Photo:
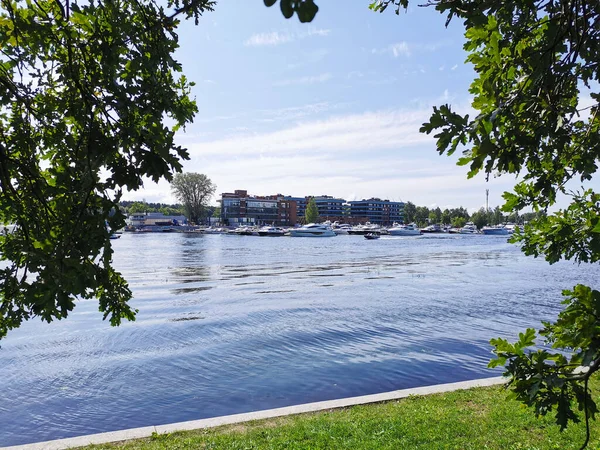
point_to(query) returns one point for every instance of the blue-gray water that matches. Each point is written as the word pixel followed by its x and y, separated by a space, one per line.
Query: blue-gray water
pixel 231 324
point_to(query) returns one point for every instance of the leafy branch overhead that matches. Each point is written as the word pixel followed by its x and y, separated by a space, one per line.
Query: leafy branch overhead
pixel 306 10
pixel 85 98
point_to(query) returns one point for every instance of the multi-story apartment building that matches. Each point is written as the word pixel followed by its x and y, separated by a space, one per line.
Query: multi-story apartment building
pixel 382 212
pixel 330 208
pixel 301 203
pixel 239 208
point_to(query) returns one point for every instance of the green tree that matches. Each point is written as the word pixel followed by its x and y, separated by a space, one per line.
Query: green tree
pixel 446 218
pixel 311 214
pixel 409 212
pixel 194 190
pixel 459 222
pixel 480 218
pixel 170 211
pixel 217 212
pixel 90 100
pixel 435 215
pixel 421 215
pixel 459 212
pixel 138 207
pixel 498 217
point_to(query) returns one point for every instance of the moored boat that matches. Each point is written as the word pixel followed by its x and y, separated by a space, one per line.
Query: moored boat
pixel 271 231
pixel 312 230
pixel 245 231
pixel 364 229
pixel 435 228
pixel 404 230
pixel 469 228
pixel 499 230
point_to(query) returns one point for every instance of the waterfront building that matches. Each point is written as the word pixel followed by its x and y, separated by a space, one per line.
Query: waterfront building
pixel 154 219
pixel 330 208
pixel 301 203
pixel 382 212
pixel 239 208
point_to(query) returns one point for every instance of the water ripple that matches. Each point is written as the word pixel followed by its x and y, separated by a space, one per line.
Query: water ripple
pixel 235 324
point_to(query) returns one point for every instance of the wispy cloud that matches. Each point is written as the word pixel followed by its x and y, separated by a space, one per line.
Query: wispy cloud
pixel 389 129
pixel 296 112
pixel 276 38
pixel 375 153
pixel 272 38
pixel 305 80
pixel 397 49
pixel 407 49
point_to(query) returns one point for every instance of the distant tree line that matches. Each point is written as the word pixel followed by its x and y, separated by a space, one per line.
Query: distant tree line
pixel 458 217
pixel 138 207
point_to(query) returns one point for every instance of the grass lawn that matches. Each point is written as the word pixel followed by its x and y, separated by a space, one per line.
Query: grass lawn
pixel 479 418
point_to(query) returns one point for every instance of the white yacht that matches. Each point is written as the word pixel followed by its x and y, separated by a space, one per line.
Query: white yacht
pixel 270 231
pixel 404 230
pixel 469 228
pixel 312 230
pixel 245 230
pixel 364 229
pixel 341 229
pixel 499 230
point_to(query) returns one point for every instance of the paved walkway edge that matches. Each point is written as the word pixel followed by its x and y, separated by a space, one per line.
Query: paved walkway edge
pixel 136 433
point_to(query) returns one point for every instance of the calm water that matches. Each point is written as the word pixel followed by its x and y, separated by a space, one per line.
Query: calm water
pixel 231 324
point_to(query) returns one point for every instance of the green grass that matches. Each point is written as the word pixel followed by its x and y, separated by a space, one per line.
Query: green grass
pixel 478 418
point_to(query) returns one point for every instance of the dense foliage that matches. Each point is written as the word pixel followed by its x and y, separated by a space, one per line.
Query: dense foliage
pixel 143 207
pixel 87 90
pixel 311 214
pixel 194 190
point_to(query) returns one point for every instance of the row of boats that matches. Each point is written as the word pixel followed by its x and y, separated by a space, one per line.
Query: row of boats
pixel 370 231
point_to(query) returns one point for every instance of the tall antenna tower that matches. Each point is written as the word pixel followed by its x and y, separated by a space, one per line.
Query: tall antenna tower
pixel 487 197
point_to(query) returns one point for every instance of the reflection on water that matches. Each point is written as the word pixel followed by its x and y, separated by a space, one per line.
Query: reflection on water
pixel 231 324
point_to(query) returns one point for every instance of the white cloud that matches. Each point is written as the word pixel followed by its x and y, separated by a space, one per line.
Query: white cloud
pixel 397 49
pixel 316 32
pixel 273 38
pixel 371 154
pixel 305 80
pixel 454 67
pixel 277 38
pixel 344 133
pixel 406 49
pixel 295 112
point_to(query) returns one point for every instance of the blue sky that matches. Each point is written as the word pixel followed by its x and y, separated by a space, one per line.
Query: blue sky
pixel 332 107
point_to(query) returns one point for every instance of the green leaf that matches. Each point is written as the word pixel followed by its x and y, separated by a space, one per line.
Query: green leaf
pixel 307 11
pixel 287 8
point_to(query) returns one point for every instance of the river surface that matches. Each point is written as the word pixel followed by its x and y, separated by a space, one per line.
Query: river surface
pixel 231 324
